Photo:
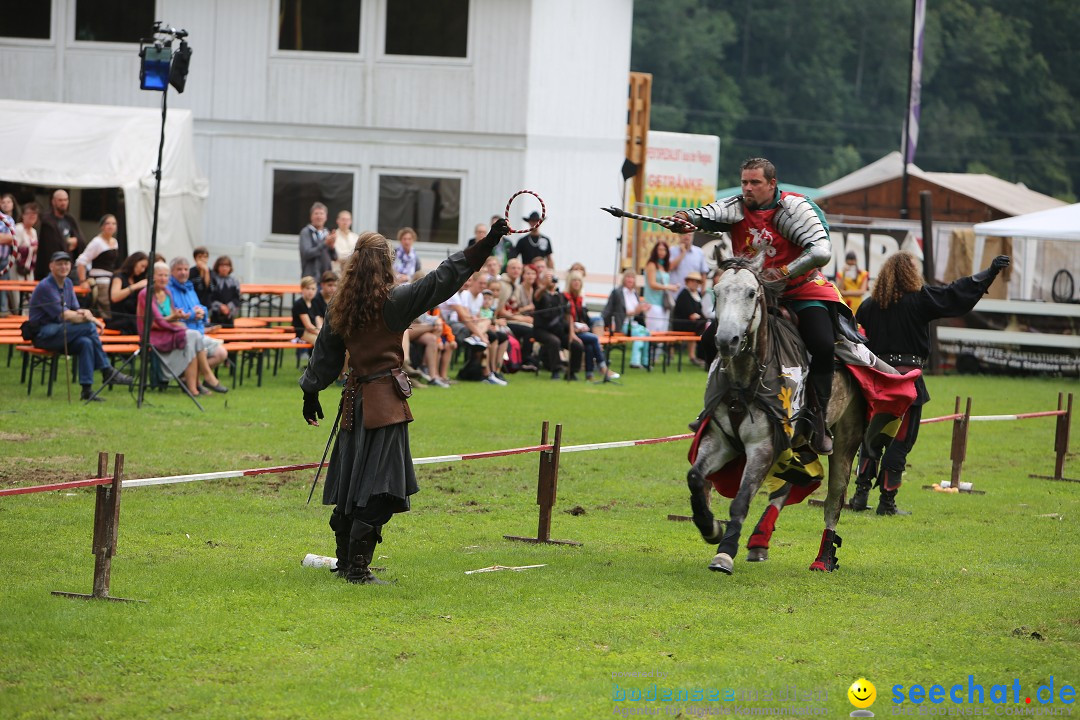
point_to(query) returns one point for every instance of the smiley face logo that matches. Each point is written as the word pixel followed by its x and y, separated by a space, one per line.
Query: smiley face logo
pixel 862 693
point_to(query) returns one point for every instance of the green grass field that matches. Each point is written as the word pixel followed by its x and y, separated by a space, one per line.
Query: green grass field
pixel 233 626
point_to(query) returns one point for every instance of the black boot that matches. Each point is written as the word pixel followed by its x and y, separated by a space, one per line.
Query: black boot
pixel 695 424
pixel 340 525
pixel 864 480
pixel 859 501
pixel 887 503
pixel 362 541
pixel 821 440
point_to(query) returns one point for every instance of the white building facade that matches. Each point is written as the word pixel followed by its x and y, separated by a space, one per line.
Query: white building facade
pixel 428 113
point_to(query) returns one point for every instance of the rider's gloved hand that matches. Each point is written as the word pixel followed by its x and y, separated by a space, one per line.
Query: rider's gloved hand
pixel 312 408
pixel 679 223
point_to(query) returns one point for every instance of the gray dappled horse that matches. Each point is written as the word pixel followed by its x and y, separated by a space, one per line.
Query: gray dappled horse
pixel 742 303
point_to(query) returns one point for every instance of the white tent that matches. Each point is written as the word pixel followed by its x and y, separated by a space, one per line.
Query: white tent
pixel 96 146
pixel 1048 240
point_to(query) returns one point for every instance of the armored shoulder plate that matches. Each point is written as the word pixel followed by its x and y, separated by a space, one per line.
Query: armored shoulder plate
pixel 725 212
pixel 796 220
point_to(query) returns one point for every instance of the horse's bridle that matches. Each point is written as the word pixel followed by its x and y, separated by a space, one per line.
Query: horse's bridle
pixel 762 333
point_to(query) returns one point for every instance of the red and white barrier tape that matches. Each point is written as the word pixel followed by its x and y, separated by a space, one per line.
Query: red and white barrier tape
pixel 175 479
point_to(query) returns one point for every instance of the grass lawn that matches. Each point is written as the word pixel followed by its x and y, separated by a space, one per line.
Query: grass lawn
pixel 233 626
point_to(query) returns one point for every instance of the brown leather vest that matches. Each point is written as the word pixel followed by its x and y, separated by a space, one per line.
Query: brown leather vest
pixel 375 349
pixel 375 360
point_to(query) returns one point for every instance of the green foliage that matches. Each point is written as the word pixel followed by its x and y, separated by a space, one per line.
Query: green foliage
pixel 804 81
pixel 233 627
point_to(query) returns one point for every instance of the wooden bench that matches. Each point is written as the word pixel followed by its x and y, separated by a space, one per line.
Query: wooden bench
pixel 34 358
pixel 252 351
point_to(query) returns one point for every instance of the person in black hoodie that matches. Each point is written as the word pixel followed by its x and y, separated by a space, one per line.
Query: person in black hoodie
pixel 896 319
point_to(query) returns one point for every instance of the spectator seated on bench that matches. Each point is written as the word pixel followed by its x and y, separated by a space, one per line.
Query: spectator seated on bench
pixel 58 324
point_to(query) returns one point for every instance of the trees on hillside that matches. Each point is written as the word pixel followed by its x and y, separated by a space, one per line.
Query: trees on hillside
pixel 821 87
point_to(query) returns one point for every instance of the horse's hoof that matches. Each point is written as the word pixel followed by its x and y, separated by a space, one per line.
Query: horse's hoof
pixel 758 554
pixel 717 533
pixel 722 562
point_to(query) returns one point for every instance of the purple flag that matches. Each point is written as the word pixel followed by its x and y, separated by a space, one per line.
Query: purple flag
pixel 914 102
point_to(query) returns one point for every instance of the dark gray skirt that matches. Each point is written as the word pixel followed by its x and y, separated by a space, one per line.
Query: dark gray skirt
pixel 365 463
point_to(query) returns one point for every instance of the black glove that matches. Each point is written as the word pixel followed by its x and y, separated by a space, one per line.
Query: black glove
pixel 476 254
pixel 996 266
pixel 498 229
pixel 312 409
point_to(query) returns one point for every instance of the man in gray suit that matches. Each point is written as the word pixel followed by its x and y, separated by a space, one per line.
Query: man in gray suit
pixel 317 250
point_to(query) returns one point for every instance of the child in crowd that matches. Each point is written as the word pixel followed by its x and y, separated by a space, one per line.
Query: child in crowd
pixel 303 316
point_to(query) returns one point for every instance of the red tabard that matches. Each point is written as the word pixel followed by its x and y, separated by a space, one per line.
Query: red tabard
pixel 756 233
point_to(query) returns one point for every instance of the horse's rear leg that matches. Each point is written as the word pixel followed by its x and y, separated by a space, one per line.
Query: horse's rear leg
pixel 757 548
pixel 758 462
pixel 848 432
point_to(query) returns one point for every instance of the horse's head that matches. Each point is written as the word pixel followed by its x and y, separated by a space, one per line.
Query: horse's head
pixel 740 304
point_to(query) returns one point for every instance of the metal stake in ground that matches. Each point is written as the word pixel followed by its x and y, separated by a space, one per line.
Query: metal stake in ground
pixel 106 528
pixel 546 489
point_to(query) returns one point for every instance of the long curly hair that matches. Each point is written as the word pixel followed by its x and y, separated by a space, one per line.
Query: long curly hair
pixel 897 278
pixel 366 281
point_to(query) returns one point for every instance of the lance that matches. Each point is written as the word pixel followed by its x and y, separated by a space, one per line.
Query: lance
pixel 675 225
pixel 329 442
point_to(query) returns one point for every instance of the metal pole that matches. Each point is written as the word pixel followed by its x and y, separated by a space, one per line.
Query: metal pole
pixel 907 118
pixel 144 343
pixel 933 364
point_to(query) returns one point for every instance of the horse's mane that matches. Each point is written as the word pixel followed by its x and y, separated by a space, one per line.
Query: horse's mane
pixel 773 288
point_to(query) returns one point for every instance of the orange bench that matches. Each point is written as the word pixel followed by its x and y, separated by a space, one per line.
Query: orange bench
pixel 34 358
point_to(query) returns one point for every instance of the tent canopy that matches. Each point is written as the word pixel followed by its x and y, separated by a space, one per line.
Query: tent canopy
pixel 97 146
pixel 1047 246
pixel 1061 223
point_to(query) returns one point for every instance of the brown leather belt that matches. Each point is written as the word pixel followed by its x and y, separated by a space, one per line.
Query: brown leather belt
pixel 349 393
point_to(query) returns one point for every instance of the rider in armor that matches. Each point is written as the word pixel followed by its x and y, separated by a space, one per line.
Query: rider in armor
pixel 792 232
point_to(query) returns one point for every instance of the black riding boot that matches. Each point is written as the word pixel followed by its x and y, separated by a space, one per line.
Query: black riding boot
pixel 821 440
pixel 340 525
pixel 864 480
pixel 887 504
pixel 362 541
pixel 890 484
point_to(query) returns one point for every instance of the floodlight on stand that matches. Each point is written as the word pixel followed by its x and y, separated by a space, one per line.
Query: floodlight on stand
pixel 155 66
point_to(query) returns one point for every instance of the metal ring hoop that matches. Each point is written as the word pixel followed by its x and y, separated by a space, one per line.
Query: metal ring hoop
pixel 543 210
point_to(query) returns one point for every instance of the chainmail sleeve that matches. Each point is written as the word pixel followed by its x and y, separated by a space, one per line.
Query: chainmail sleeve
pixel 718 216
pixel 802 223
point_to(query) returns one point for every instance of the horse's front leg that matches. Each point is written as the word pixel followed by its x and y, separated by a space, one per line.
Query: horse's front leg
pixel 757 548
pixel 759 458
pixel 714 452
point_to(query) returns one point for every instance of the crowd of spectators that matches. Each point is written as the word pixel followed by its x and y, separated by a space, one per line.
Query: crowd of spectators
pixel 511 316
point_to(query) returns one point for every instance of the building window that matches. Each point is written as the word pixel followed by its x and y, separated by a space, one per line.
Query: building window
pixel 430 205
pixel 295 191
pixel 122 21
pixel 28 20
pixel 319 25
pixel 437 28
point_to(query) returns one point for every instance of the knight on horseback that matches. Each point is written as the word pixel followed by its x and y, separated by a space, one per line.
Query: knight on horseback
pixel 792 233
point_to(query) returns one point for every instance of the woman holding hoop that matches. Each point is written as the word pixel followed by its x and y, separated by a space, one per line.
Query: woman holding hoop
pixel 370 474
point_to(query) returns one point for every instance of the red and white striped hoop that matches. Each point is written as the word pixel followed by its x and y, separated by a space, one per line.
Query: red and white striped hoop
pixel 543 211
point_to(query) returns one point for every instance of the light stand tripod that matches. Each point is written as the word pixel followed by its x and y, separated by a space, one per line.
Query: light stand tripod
pixel 629 170
pixel 160 68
